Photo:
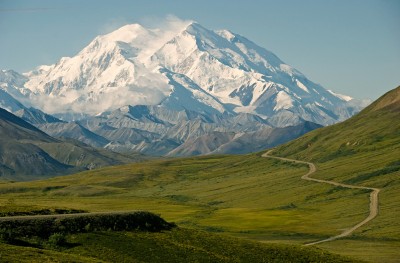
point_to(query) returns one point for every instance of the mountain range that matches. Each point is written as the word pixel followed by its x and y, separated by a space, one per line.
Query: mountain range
pixel 27 153
pixel 185 90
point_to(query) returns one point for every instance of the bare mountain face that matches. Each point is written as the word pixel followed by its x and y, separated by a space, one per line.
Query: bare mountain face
pixel 181 83
pixel 17 152
pixel 28 153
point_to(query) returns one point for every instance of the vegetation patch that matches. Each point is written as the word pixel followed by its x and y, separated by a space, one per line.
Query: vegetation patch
pixel 390 168
pixel 179 198
pixel 287 207
pixel 57 240
pixel 212 203
pixel 51 188
pixel 44 227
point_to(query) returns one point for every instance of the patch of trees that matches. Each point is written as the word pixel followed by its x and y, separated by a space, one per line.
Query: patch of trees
pixel 49 226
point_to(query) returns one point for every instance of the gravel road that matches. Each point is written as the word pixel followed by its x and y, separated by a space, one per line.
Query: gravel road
pixel 373 205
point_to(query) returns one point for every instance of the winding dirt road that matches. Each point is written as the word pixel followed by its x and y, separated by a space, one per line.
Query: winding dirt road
pixel 373 205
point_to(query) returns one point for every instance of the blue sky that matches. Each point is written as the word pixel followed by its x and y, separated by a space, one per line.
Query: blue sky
pixel 349 46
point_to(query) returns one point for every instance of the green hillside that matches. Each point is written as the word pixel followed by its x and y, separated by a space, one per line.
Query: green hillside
pixel 375 129
pixel 364 150
pixel 178 245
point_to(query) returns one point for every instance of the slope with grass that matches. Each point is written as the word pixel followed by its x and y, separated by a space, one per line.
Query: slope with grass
pixel 373 206
pixel 364 150
pixel 177 245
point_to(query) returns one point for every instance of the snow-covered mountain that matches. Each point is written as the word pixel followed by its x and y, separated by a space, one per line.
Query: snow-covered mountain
pixel 31 115
pixel 189 67
pixel 181 90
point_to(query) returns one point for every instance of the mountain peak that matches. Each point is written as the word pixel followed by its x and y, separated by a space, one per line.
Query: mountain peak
pixel 194 26
pixel 126 33
pixel 185 66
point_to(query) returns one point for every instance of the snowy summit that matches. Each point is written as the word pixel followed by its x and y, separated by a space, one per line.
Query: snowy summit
pixel 184 67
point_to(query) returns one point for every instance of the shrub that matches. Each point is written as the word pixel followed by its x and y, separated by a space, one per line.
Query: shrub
pixel 45 227
pixel 57 239
pixel 7 235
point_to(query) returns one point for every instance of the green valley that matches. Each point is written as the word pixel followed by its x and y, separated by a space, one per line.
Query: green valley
pixel 246 196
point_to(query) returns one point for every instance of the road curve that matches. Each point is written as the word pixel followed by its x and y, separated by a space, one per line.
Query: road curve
pixel 373 205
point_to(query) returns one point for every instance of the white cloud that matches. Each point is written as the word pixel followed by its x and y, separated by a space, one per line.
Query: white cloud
pixel 146 91
pixel 167 23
